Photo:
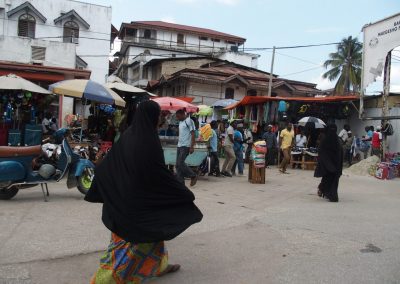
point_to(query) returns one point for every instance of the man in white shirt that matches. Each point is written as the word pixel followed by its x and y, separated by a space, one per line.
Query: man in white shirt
pixel 343 135
pixel 46 123
pixel 186 143
pixel 301 140
pixel 230 156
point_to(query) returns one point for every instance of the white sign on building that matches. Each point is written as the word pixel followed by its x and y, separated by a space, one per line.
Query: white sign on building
pixel 379 39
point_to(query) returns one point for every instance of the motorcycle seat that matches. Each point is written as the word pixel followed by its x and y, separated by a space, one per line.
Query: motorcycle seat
pixel 9 152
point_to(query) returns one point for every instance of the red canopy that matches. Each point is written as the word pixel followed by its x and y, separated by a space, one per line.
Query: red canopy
pixel 174 104
pixel 250 100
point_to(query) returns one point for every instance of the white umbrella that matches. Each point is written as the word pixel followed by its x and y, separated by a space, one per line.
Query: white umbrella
pixel 14 82
pixel 312 120
pixel 116 83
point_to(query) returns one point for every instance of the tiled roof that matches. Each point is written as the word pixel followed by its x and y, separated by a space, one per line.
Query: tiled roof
pixel 184 28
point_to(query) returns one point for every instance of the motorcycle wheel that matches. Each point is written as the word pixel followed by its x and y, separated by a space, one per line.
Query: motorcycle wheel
pixel 85 180
pixel 8 193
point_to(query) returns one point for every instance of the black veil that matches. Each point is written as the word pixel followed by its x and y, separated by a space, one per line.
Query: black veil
pixel 142 200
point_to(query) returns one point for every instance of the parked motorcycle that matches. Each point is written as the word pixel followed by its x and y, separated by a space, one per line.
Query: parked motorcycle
pixel 16 170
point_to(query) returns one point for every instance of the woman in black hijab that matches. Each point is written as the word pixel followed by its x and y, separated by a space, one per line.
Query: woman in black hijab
pixel 143 203
pixel 330 164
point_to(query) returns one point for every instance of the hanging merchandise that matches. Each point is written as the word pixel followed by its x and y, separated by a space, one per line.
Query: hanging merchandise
pixel 282 107
pixel 8 114
pixel 266 112
pixel 247 113
pixel 304 109
pixel 260 116
pixel 254 113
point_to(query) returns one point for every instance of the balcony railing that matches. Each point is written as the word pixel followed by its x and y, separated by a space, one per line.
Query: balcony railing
pixel 179 46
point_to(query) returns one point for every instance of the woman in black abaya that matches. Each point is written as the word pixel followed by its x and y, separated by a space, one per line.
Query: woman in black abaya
pixel 143 203
pixel 330 164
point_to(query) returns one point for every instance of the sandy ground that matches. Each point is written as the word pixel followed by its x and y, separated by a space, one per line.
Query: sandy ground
pixel 280 232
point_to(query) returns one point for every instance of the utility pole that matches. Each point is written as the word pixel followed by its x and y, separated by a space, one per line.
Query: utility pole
pixel 272 71
pixel 385 97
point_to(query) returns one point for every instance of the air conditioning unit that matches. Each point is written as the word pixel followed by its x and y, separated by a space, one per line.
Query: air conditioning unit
pixel 75 40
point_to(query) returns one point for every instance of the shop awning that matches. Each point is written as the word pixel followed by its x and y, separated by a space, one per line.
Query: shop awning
pixel 250 100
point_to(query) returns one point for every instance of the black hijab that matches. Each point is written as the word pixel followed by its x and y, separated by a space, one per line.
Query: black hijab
pixel 330 153
pixel 142 201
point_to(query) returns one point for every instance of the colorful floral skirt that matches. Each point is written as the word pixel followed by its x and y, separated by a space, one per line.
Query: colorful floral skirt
pixel 129 263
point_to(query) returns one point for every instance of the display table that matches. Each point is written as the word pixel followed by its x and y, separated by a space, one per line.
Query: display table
pixel 308 159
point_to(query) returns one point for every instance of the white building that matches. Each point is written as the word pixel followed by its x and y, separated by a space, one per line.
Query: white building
pixel 61 33
pixel 147 40
pixel 47 41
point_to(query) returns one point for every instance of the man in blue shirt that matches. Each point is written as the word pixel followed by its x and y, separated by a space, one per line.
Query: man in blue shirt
pixel 214 151
pixel 238 149
pixel 186 143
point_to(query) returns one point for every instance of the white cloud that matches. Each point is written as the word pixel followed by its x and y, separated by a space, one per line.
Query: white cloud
pixel 229 2
pixel 323 84
pixel 168 19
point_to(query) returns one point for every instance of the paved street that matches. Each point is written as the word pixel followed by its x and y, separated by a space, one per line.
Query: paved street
pixel 280 232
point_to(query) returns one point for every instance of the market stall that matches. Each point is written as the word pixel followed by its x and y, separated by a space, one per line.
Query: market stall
pixel 90 92
pixel 23 106
pixel 259 112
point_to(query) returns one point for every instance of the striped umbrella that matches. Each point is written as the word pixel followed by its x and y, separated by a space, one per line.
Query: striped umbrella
pixel 318 123
pixel 87 89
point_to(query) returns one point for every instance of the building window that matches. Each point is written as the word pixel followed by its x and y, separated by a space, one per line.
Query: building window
pixel 229 93
pixel 71 32
pixel 181 39
pixel 215 40
pixel 27 26
pixel 147 34
pixel 230 42
pixel 203 38
pixel 131 32
pixel 38 53
pixel 252 93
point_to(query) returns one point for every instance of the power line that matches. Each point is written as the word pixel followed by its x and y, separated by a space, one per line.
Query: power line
pixel 297 58
pixel 303 71
pixel 291 47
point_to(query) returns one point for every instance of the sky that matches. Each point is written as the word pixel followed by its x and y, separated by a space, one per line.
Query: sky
pixel 267 23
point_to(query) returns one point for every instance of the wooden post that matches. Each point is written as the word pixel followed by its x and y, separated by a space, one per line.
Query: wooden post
pixel 385 96
pixel 272 71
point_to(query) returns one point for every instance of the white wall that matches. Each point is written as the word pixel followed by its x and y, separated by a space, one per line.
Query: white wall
pixel 98 17
pixel 17 49
pixel 246 59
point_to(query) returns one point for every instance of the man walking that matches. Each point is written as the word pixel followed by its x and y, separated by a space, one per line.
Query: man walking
pixel 230 157
pixel 238 149
pixel 272 144
pixel 286 143
pixel 186 143
pixel 214 150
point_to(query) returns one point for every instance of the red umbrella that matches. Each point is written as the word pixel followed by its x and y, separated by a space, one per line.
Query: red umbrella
pixel 174 104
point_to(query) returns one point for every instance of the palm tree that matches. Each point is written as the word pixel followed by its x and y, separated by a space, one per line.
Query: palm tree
pixel 345 65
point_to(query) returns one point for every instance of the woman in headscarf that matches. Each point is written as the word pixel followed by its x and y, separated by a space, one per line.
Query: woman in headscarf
pixel 143 203
pixel 330 164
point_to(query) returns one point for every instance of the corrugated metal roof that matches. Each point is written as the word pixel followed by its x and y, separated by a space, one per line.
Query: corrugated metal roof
pixel 184 28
